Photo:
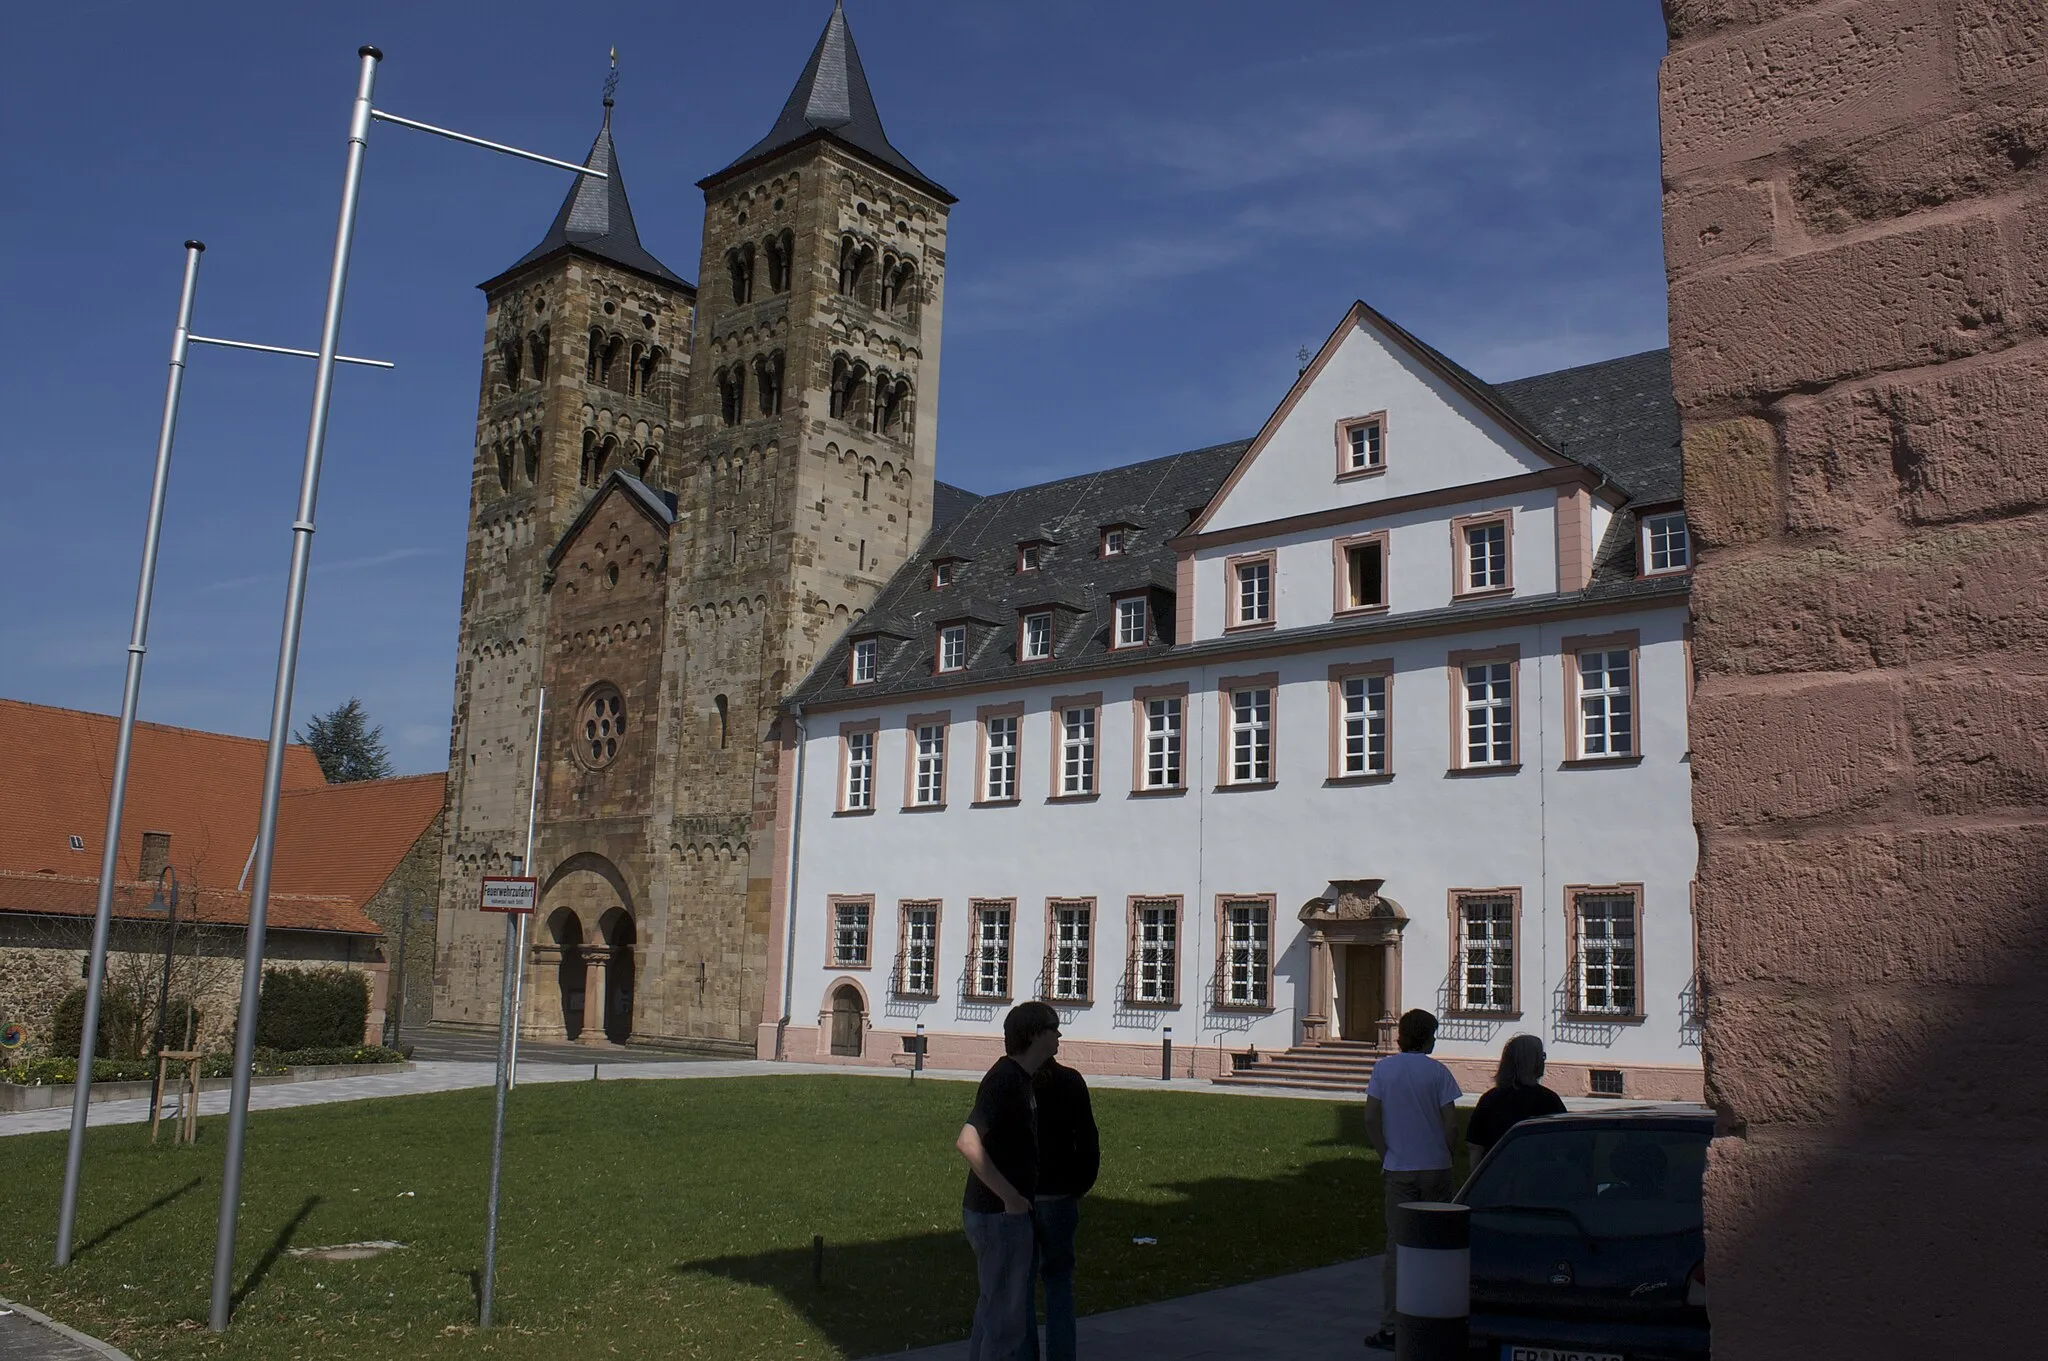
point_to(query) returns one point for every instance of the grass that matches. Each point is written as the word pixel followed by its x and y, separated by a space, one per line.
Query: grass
pixel 671 1218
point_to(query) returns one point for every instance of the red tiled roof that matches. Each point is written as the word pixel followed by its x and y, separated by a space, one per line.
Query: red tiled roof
pixel 349 838
pixel 336 844
pixel 204 788
pixel 64 895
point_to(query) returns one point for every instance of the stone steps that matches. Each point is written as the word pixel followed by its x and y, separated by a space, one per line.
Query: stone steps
pixel 1338 1066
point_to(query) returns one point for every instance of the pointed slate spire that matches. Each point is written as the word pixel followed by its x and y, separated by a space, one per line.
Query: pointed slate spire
pixel 832 99
pixel 597 219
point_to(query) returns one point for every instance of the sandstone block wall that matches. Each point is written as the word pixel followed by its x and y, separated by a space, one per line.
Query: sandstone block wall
pixel 1857 245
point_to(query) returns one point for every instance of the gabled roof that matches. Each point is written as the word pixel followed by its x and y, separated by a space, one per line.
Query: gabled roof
pixel 1154 497
pixel 65 895
pixel 348 839
pixel 832 100
pixel 597 220
pixel 650 502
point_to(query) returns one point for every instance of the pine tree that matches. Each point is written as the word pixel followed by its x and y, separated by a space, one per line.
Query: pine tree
pixel 345 744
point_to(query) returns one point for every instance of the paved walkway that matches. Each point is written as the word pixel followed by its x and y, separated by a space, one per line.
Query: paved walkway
pixel 1320 1315
pixel 26 1335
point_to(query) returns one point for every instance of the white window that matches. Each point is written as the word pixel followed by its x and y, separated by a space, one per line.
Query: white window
pixel 1365 725
pixel 1606 717
pixel 952 647
pixel 1365 576
pixel 1489 714
pixel 942 574
pixel 1077 750
pixel 1162 742
pixel 1000 780
pixel 1486 556
pixel 1606 925
pixel 863 670
pixel 991 961
pixel 920 975
pixel 1251 736
pixel 860 771
pixel 1254 591
pixel 1112 542
pixel 850 934
pixel 931 764
pixel 1248 954
pixel 1486 953
pixel 1072 950
pixel 1027 557
pixel 1155 950
pixel 1362 446
pixel 1131 621
pixel 1667 548
pixel 1037 637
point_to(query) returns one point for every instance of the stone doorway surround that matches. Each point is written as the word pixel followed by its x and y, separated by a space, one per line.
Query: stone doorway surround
pixel 1353 913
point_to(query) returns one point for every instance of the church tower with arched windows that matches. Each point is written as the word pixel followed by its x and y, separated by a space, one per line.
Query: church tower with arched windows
pixel 680 502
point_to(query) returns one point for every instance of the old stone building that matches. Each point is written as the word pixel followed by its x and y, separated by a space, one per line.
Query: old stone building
pixel 680 497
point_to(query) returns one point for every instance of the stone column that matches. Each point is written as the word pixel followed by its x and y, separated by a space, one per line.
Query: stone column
pixel 1315 1022
pixel 1390 993
pixel 1856 240
pixel 594 960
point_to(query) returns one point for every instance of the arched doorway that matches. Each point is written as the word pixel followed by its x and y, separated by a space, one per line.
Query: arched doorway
pixel 565 929
pixel 846 1020
pixel 617 929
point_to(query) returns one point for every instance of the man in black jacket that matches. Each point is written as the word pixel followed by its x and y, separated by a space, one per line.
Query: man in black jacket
pixel 1069 1156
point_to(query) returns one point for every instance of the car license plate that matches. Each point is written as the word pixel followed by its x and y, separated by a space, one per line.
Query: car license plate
pixel 1514 1351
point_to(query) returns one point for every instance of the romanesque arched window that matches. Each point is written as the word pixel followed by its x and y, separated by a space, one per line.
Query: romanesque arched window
pixel 633 371
pixel 724 716
pixel 595 357
pixel 586 469
pixel 739 265
pixel 780 253
pixel 648 458
pixel 768 382
pixel 537 353
pixel 899 286
pixel 532 452
pixel 892 402
pixel 650 366
pixel 854 255
pixel 731 392
pixel 849 380
pixel 504 460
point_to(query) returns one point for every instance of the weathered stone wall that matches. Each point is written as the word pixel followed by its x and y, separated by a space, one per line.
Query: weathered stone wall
pixel 1857 243
pixel 413 886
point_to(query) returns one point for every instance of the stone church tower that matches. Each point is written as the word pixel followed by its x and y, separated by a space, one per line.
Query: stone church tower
pixel 677 504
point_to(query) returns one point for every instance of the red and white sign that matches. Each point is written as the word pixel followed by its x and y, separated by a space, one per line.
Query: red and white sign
pixel 508 893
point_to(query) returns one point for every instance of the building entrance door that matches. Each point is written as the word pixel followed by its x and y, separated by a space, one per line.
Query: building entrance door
pixel 1365 991
pixel 846 1021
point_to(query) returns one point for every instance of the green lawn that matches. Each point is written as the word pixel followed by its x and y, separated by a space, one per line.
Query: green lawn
pixel 657 1218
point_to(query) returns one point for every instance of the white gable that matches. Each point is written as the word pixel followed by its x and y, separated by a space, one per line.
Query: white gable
pixel 1434 436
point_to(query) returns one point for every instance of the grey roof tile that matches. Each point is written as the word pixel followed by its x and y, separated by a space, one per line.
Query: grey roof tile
pixel 597 220
pixel 832 99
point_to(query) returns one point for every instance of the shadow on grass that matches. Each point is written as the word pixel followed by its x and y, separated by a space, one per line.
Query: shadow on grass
pixel 270 1255
pixel 137 1217
pixel 918 1289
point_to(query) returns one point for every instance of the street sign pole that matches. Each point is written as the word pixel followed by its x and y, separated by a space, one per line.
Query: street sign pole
pixel 514 896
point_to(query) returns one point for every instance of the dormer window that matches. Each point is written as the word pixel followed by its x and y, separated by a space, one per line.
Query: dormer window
pixel 1133 622
pixel 1034 638
pixel 1362 445
pixel 1028 557
pixel 862 663
pixel 942 574
pixel 953 647
pixel 1666 546
pixel 1113 541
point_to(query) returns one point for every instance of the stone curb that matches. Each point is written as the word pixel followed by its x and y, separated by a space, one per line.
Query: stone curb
pixel 91 1344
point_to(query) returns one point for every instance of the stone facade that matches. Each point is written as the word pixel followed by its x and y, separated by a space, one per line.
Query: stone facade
pixel 1857 243
pixel 780 463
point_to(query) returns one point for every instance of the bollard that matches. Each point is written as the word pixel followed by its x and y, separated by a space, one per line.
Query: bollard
pixel 1166 1055
pixel 817 1259
pixel 917 1059
pixel 1432 1250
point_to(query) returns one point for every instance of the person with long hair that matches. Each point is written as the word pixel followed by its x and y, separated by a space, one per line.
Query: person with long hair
pixel 1517 1094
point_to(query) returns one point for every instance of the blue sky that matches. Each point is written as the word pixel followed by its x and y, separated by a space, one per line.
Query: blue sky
pixel 1161 204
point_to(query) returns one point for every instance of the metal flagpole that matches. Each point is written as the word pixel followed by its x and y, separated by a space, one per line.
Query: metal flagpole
pixel 519 976
pixel 281 701
pixel 487 1287
pixel 138 644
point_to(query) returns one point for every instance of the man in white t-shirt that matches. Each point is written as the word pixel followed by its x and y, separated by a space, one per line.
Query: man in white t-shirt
pixel 1411 1120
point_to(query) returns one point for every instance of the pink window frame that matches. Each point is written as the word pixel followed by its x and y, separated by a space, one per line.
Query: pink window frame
pixel 1347 473
pixel 1461 587
pixel 1340 567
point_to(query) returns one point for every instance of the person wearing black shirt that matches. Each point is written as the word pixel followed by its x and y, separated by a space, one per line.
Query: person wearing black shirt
pixel 1069 1156
pixel 1000 1143
pixel 1517 1094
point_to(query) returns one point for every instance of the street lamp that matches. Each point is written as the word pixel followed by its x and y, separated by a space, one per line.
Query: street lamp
pixel 157 903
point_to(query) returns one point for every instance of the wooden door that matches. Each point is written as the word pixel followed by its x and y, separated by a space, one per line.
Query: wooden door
pixel 846 1020
pixel 1365 991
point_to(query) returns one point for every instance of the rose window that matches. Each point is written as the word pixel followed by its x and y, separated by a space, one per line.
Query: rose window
pixel 602 725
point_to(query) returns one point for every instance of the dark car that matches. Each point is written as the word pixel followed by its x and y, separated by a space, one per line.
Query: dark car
pixel 1589 1240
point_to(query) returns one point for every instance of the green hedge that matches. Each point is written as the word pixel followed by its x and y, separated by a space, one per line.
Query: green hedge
pixel 312 1009
pixel 120 1028
pixel 268 1062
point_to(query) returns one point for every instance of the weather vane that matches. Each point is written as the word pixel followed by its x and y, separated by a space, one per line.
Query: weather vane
pixel 611 82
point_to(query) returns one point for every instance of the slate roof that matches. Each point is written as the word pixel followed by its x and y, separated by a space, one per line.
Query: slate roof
pixel 597 220
pixel 1616 417
pixel 832 99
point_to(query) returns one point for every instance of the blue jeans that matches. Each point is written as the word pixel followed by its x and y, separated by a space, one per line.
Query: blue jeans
pixel 1002 1268
pixel 1058 1217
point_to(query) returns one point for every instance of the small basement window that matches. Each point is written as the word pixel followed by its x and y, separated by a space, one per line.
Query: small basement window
pixel 1608 1082
pixel 78 843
